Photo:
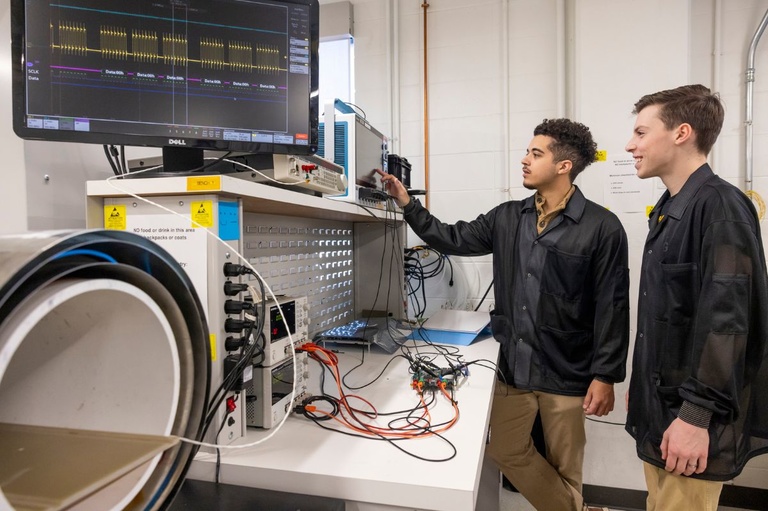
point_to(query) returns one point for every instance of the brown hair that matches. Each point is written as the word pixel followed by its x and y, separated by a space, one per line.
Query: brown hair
pixel 691 104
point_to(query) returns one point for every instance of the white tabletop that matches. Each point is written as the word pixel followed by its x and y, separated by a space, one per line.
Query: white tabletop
pixel 304 458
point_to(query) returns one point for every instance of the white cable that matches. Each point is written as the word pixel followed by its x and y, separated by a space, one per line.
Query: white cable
pixel 274 430
pixel 255 296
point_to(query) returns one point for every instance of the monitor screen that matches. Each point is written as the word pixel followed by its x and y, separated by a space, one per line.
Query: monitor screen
pixel 229 75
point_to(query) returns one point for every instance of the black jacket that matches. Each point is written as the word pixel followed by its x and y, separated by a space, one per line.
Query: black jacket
pixel 562 306
pixel 703 325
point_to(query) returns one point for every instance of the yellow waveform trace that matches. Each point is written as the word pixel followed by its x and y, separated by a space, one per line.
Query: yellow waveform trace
pixel 72 38
pixel 240 56
pixel 175 49
pixel 113 42
pixel 145 46
pixel 213 53
pixel 267 59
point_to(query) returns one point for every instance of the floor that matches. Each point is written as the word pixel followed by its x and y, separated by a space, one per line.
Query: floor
pixel 513 501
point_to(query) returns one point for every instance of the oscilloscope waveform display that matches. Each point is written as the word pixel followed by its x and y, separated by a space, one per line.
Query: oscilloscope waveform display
pixel 179 56
pixel 148 46
pixel 170 35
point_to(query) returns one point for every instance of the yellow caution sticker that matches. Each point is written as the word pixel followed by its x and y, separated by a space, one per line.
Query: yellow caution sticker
pixel 201 213
pixel 212 340
pixel 601 156
pixel 648 210
pixel 114 217
pixel 205 183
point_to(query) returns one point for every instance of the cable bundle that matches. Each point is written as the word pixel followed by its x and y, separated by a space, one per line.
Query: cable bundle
pixel 356 416
pixel 416 274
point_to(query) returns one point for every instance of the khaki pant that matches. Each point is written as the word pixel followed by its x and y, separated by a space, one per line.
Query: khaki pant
pixel 668 492
pixel 551 484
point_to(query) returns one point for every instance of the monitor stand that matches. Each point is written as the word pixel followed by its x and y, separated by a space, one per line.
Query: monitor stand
pixel 175 161
pixel 182 159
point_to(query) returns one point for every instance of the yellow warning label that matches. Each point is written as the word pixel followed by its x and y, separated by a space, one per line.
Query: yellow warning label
pixel 201 213
pixel 209 183
pixel 648 210
pixel 212 340
pixel 114 217
pixel 601 156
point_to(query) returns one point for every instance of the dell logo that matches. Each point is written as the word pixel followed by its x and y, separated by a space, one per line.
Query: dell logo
pixel 176 141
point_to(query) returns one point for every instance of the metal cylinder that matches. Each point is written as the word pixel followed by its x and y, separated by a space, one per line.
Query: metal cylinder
pixel 103 331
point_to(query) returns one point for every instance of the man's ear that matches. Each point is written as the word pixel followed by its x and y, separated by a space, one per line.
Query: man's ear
pixel 684 133
pixel 564 166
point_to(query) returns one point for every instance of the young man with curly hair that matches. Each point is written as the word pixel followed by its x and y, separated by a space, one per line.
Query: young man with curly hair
pixel 561 288
pixel 698 396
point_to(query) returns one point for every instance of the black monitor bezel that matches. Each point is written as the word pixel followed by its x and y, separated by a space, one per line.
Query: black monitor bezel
pixel 18 80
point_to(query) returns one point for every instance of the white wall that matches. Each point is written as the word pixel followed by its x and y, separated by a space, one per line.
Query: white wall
pixel 13 207
pixel 498 67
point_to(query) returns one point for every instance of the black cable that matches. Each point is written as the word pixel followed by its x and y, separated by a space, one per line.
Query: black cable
pixel 351 387
pixel 218 451
pixel 393 442
pixel 484 295
pixel 606 422
pixel 355 107
pixel 212 163
pixel 123 166
pixel 311 415
pixel 110 160
pixel 115 154
pixel 418 271
pixel 247 353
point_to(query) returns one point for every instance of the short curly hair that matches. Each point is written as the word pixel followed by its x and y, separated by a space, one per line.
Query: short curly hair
pixel 571 141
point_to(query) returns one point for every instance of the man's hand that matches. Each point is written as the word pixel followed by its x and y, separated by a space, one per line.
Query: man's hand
pixel 599 398
pixel 685 448
pixel 395 188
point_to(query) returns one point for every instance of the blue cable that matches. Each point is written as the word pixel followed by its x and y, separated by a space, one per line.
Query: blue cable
pixel 85 251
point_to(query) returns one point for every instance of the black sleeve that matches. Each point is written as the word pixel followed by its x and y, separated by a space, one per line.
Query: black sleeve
pixel 727 338
pixel 462 238
pixel 611 327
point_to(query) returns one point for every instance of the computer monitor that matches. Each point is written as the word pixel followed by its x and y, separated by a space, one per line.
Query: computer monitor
pixel 184 75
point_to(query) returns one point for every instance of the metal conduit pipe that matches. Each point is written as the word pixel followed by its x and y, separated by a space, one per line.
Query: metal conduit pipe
pixel 717 57
pixel 750 80
pixel 506 143
pixel 393 62
pixel 425 6
pixel 101 333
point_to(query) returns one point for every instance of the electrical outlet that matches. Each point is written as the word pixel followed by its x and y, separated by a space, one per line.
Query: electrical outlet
pixel 234 422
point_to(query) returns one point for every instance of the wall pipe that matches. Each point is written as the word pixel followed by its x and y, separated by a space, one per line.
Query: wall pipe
pixel 717 57
pixel 425 6
pixel 750 79
pixel 561 59
pixel 505 94
pixel 393 61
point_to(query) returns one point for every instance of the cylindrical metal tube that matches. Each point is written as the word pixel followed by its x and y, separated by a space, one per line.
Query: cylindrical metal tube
pixel 102 330
pixel 750 80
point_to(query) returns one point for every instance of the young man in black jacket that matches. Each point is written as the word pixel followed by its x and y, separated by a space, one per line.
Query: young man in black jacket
pixel 562 310
pixel 698 396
